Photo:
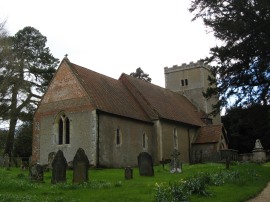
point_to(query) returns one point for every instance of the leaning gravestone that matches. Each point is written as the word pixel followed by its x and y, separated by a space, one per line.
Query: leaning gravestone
pixel 59 166
pixel 6 161
pixel 80 167
pixel 36 172
pixel 176 166
pixel 50 159
pixel 145 163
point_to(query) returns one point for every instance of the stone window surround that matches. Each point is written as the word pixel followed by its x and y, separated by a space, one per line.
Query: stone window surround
pixel 66 126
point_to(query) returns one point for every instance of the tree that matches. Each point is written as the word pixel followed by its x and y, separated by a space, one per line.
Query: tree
pixel 244 126
pixel 23 141
pixel 3 139
pixel 242 67
pixel 26 74
pixel 141 75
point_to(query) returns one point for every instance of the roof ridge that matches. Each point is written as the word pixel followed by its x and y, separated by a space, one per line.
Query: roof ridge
pixel 140 94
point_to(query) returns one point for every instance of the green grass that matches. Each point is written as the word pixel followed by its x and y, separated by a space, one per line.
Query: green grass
pixel 110 185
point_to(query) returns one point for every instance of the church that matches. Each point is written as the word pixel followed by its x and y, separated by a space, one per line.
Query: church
pixel 113 120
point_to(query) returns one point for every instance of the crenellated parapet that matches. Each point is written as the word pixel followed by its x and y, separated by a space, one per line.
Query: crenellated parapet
pixel 185 66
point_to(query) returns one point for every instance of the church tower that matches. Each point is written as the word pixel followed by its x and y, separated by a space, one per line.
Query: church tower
pixel 191 80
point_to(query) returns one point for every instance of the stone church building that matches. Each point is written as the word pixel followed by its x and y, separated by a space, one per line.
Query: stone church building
pixel 114 120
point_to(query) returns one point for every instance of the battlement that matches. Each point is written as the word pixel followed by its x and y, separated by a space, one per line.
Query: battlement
pixel 184 66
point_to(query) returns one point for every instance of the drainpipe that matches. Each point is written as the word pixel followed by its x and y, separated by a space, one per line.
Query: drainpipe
pixel 189 152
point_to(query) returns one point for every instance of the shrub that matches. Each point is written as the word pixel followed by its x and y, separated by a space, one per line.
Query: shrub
pixel 174 192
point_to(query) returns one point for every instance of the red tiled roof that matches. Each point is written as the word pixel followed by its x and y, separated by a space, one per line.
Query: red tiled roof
pixel 108 94
pixel 209 134
pixel 134 98
pixel 165 103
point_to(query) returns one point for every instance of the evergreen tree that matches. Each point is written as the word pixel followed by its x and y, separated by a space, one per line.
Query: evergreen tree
pixel 25 75
pixel 243 60
pixel 23 141
pixel 139 74
pixel 244 126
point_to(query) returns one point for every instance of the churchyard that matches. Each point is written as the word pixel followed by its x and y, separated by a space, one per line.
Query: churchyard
pixel 198 182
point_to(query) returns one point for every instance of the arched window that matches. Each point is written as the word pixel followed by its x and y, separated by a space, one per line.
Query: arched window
pixel 63 129
pixel 60 131
pixel 144 141
pixel 118 136
pixel 67 131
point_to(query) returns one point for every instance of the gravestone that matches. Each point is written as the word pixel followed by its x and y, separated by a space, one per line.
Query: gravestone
pixel 50 159
pixel 128 173
pixel 36 172
pixel 59 166
pixel 6 161
pixel 145 163
pixel 80 167
pixel 176 166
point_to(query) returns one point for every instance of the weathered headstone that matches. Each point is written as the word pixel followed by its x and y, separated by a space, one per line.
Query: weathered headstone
pixel 175 163
pixel 50 159
pixel 145 163
pixel 36 172
pixel 80 167
pixel 59 166
pixel 6 161
pixel 128 173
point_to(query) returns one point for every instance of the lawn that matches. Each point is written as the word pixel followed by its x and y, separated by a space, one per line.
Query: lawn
pixel 240 183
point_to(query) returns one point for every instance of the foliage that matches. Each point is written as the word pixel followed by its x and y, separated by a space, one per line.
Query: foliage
pixel 109 185
pixel 200 182
pixel 139 74
pixel 3 139
pixel 244 126
pixel 23 141
pixel 26 68
pixel 243 60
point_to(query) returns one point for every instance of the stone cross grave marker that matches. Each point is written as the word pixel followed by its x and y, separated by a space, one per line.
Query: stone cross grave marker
pixel 36 172
pixel 50 159
pixel 59 167
pixel 145 163
pixel 80 167
pixel 175 163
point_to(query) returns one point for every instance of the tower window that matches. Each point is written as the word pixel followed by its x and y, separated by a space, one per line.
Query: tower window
pixel 186 82
pixel 182 82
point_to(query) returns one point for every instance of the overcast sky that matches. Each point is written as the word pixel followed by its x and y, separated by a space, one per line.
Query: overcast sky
pixel 114 36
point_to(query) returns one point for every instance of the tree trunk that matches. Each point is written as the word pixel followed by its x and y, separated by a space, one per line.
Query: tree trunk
pixel 12 120
pixel 10 137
